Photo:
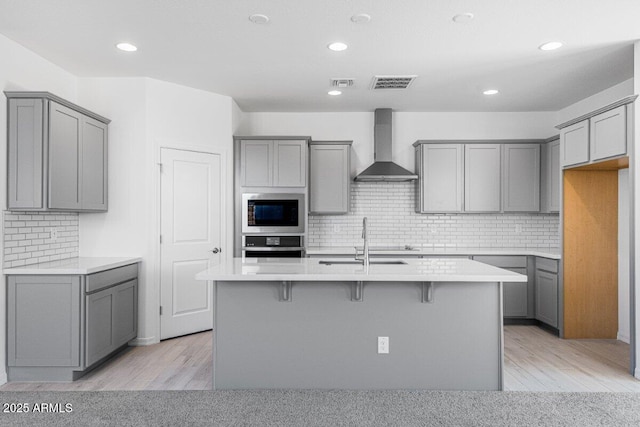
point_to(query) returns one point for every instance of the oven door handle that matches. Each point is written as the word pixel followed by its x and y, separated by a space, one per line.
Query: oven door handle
pixel 272 248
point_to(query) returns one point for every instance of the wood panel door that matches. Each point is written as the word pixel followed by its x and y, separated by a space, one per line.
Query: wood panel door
pixel 191 233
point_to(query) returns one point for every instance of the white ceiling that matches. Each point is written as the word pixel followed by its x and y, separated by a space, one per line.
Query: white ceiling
pixel 285 65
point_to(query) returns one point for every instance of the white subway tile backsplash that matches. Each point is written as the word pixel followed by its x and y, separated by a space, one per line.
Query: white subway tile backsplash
pixel 27 237
pixel 392 221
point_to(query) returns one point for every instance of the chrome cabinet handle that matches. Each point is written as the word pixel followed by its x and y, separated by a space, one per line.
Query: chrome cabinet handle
pixel 216 250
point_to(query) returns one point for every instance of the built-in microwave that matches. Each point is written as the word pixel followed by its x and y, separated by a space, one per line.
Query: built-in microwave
pixel 273 213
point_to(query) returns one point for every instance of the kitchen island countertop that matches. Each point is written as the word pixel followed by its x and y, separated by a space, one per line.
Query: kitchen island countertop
pixel 310 269
pixel 551 253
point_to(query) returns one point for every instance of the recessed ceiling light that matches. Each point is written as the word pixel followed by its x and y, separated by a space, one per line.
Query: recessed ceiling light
pixel 127 47
pixel 463 18
pixel 361 18
pixel 491 92
pixel 337 46
pixel 335 92
pixel 258 18
pixel 550 46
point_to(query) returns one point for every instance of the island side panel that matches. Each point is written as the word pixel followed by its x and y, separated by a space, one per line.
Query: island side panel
pixel 321 339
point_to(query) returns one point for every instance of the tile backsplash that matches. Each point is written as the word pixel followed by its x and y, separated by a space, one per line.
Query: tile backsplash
pixel 29 237
pixel 392 220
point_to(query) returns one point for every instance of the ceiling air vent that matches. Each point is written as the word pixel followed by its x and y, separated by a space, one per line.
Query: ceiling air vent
pixel 342 82
pixel 392 82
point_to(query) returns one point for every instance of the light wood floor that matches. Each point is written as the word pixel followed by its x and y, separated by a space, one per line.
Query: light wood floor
pixel 534 361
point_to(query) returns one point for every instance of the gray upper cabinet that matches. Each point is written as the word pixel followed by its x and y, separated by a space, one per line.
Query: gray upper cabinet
pixel 25 154
pixel 482 177
pixel 599 135
pixel 521 178
pixel 608 134
pixel 65 128
pixel 575 143
pixel 57 154
pixel 329 177
pixel 257 163
pixel 441 173
pixel 550 177
pixel 273 163
pixel 94 165
pixel 290 163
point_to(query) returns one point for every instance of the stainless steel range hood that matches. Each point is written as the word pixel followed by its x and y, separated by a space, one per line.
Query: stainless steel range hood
pixel 383 168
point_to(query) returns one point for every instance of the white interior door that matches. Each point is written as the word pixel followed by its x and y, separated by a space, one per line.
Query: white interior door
pixel 190 239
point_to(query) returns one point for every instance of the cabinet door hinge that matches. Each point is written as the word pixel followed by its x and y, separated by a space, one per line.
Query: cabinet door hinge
pixel 160 166
pixel 160 310
pixel 161 238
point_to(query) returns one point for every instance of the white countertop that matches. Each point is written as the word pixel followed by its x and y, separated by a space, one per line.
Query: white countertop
pixel 435 251
pixel 81 265
pixel 309 269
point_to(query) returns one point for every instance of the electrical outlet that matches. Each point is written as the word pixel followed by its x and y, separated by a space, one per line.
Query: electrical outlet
pixel 54 234
pixel 433 229
pixel 383 345
pixel 336 228
pixel 518 228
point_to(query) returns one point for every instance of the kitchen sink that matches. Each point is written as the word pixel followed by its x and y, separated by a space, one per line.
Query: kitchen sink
pixel 355 262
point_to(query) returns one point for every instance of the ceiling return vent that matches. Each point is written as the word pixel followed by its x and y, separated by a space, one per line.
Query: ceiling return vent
pixel 392 82
pixel 343 82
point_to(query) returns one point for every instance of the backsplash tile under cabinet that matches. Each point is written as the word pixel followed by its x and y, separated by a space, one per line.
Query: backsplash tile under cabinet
pixel 28 239
pixel 393 221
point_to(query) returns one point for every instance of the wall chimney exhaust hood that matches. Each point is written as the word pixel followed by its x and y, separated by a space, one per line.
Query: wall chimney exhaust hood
pixel 383 168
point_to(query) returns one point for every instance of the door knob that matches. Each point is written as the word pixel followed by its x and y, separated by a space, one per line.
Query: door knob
pixel 216 250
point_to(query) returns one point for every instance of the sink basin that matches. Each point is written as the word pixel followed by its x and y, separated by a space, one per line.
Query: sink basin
pixel 354 262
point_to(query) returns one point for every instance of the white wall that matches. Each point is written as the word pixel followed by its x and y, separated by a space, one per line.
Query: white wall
pixel 21 69
pixel 148 114
pixel 598 100
pixel 407 129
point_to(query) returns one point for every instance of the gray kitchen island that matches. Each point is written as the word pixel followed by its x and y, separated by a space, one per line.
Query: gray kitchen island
pixel 305 323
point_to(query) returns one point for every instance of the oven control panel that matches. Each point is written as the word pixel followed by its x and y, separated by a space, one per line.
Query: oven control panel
pixel 273 241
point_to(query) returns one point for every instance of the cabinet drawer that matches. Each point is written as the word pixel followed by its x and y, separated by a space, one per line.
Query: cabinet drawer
pixel 550 265
pixel 107 278
pixel 503 261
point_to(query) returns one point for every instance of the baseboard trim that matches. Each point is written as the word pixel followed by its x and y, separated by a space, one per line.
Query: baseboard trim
pixel 519 321
pixel 623 338
pixel 637 373
pixel 139 342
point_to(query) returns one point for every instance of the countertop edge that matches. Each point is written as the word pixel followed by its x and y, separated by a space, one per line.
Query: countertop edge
pixel 72 266
pixel 335 251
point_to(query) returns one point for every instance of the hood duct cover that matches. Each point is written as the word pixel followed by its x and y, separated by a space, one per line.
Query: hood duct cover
pixel 383 169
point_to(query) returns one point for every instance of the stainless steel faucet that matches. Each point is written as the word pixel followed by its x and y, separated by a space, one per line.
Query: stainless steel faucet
pixel 365 237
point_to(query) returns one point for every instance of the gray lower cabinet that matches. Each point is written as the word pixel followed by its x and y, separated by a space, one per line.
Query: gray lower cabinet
pixel 57 154
pixel 60 326
pixel 547 291
pixel 516 296
pixel 329 177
